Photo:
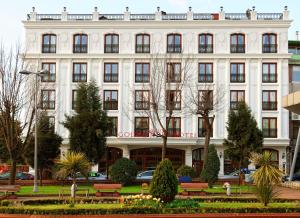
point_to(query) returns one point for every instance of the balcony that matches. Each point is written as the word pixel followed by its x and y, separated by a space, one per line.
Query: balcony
pixel 79 48
pixel 237 78
pixel 142 78
pixel 237 48
pixel 269 48
pixel 205 78
pixel 174 49
pixel 205 48
pixel 269 133
pixel 111 48
pixel 49 48
pixel 142 48
pixel 111 78
pixel 269 78
pixel 271 106
pixel 110 105
pixel 139 132
pixel 174 132
pixel 142 105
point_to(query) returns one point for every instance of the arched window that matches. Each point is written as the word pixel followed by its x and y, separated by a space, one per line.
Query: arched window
pixel 80 43
pixel 49 43
pixel 205 43
pixel 237 43
pixel 269 43
pixel 111 43
pixel 174 43
pixel 142 43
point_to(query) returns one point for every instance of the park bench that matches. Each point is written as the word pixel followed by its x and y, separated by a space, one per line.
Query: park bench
pixel 104 190
pixel 6 189
pixel 193 188
pixel 66 190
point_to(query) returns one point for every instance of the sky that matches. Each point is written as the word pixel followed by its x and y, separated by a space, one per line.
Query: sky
pixel 12 12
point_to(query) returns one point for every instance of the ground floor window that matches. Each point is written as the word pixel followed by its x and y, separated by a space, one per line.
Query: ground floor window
pixel 113 154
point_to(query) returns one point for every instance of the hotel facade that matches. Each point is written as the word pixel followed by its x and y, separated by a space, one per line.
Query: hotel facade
pixel 244 53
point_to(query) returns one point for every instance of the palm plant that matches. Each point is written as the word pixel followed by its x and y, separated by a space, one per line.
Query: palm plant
pixel 266 176
pixel 72 164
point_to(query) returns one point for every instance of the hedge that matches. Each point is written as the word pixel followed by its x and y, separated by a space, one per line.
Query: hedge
pixel 144 210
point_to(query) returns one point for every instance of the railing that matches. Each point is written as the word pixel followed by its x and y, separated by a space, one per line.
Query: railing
pixel 237 48
pixel 269 78
pixel 110 105
pixel 234 104
pixel 205 48
pixel 174 49
pixel 142 105
pixel 50 77
pixel 202 132
pixel 173 105
pixel 111 17
pixel 141 132
pixel 269 105
pixel 80 16
pixel 174 16
pixel 47 16
pixel 269 16
pixel 205 78
pixel 173 78
pixel 142 16
pixel 49 48
pixel 48 105
pixel 237 78
pixel 269 48
pixel 79 77
pixel 236 16
pixel 111 48
pixel 111 78
pixel 270 133
pixel 143 48
pixel 79 48
pixel 201 16
pixel 174 132
pixel 139 78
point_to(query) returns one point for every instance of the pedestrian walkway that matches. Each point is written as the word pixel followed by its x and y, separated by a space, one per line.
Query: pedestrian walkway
pixel 288 193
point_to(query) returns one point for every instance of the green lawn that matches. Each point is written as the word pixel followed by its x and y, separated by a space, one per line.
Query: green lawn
pixel 54 190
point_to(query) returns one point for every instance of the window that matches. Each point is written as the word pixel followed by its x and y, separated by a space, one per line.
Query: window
pixel 79 72
pixel 269 100
pixel 201 127
pixel 205 100
pixel 173 100
pixel 111 44
pixel 269 43
pixel 113 130
pixel 237 72
pixel 269 73
pixel 110 72
pixel 296 73
pixel 50 76
pixel 174 43
pixel 74 98
pixel 80 43
pixel 142 72
pixel 142 43
pixel 48 99
pixel 173 72
pixel 205 43
pixel 237 43
pixel 142 100
pixel 205 72
pixel 141 127
pixel 49 43
pixel 236 96
pixel 269 126
pixel 174 127
pixel 110 100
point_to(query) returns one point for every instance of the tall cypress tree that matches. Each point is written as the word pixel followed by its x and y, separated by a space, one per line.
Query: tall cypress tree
pixel 88 127
pixel 243 135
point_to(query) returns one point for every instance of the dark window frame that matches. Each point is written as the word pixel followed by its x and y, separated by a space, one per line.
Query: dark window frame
pixel 212 97
pixel 49 48
pixel 206 48
pixel 146 102
pixel 111 74
pixel 172 78
pixel 142 75
pixel 269 47
pixel 269 132
pixel 237 48
pixel 233 104
pixel 237 73
pixel 113 105
pixel 269 105
pixel 201 134
pixel 174 48
pixel 269 80
pixel 145 48
pixel 48 104
pixel 49 80
pixel 208 78
pixel 174 132
pixel 80 48
pixel 113 130
pixel 141 132
pixel 114 48
pixel 170 105
pixel 80 74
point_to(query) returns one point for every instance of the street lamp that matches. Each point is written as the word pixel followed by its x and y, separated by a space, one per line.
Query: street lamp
pixel 37 75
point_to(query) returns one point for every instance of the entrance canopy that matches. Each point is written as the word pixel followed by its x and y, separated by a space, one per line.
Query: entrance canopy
pixel 291 102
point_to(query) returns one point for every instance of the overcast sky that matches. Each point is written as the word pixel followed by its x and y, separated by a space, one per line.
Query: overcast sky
pixel 14 11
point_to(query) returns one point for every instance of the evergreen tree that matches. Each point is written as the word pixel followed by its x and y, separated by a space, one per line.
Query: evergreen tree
pixel 88 127
pixel 212 167
pixel 243 137
pixel 48 146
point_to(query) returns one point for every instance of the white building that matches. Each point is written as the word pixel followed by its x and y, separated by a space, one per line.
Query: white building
pixel 245 53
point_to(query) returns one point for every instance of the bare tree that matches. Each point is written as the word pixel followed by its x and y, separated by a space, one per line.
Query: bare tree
pixel 15 95
pixel 160 98
pixel 205 100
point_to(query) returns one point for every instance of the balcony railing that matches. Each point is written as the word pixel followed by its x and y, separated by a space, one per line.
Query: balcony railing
pixel 171 105
pixel 174 132
pixel 110 105
pixel 269 48
pixel 139 78
pixel 48 77
pixel 237 78
pixel 113 131
pixel 179 16
pixel 206 48
pixel 142 16
pixel 79 77
pixel 111 78
pixel 202 16
pixel 49 48
pixel 174 49
pixel 269 105
pixel 269 16
pixel 205 78
pixel 269 78
pixel 237 48
pixel 80 16
pixel 48 105
pixel 142 105
pixel 270 133
pixel 202 132
pixel 174 78
pixel 79 48
pixel 111 48
pixel 234 104
pixel 236 16
pixel 145 48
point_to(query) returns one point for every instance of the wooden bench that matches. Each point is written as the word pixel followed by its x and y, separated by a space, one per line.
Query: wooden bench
pixel 104 190
pixel 193 188
pixel 9 189
pixel 66 190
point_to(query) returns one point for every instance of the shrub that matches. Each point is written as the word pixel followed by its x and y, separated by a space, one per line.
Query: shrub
pixel 266 193
pixel 5 203
pixel 123 171
pixel 164 183
pixel 179 203
pixel 212 167
pixel 185 170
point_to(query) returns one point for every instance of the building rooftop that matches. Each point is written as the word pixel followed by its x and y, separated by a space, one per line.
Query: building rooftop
pixel 158 15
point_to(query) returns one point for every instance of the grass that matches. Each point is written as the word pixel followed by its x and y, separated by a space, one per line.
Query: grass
pixel 54 190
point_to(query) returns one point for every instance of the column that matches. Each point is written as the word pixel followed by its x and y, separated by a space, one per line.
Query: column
pixel 126 152
pixel 189 156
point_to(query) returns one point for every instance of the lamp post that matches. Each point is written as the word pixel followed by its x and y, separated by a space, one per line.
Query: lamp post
pixel 37 75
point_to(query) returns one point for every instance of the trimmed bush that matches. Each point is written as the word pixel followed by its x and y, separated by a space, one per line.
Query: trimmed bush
pixel 212 167
pixel 185 170
pixel 164 183
pixel 123 171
